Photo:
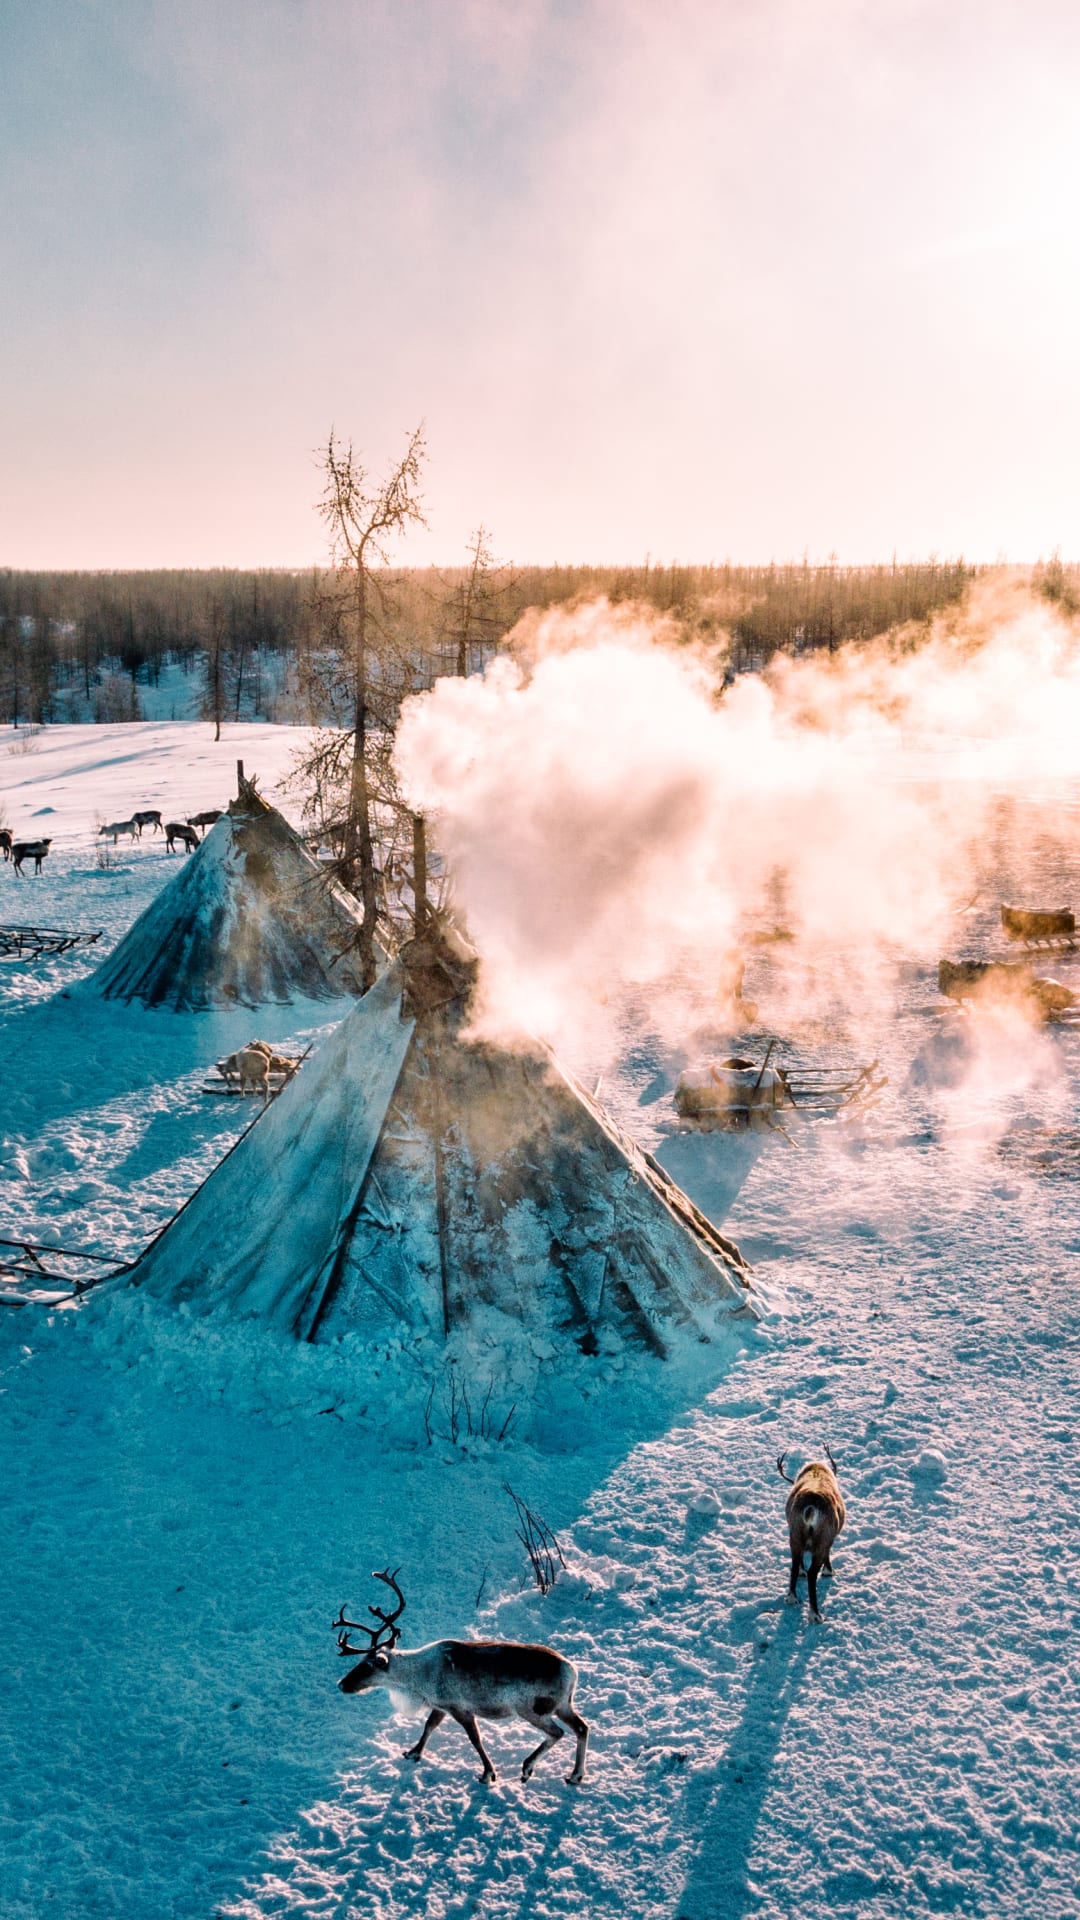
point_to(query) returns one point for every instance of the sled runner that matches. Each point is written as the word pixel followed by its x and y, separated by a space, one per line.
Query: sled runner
pixel 1054 931
pixel 223 1077
pixel 33 943
pixel 735 1093
pixel 40 1276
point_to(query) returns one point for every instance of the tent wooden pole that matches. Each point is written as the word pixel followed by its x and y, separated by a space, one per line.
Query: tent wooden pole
pixel 420 899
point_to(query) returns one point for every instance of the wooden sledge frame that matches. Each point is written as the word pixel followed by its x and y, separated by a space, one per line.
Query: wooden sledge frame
pixel 277 1079
pixel 811 1091
pixel 51 1287
pixel 1035 939
pixel 35 943
pixel 826 1090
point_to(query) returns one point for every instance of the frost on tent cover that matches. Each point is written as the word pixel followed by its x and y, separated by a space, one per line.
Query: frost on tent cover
pixel 251 919
pixel 412 1181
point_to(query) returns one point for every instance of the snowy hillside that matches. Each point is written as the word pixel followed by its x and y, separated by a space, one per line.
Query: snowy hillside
pixel 187 1502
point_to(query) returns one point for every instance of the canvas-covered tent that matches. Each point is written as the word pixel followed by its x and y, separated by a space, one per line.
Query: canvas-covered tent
pixel 250 919
pixel 410 1180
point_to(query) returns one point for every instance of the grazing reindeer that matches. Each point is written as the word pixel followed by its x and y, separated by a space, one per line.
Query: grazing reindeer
pixel 117 827
pixel 177 830
pixel 5 842
pixel 204 819
pixel 148 818
pixel 815 1515
pixel 496 1679
pixel 34 850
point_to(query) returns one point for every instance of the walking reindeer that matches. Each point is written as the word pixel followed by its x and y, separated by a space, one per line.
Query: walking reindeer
pixel 468 1679
pixel 815 1515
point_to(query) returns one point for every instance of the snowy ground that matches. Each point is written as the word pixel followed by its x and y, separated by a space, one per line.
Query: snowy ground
pixel 185 1508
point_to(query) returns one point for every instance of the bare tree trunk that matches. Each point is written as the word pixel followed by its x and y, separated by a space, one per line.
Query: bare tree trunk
pixel 214 690
pixel 240 668
pixel 362 519
pixel 359 853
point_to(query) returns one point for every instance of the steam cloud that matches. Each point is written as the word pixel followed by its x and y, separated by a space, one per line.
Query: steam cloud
pixel 615 827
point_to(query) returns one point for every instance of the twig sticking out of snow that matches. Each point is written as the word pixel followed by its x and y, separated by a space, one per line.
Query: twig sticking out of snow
pixel 464 1421
pixel 541 1545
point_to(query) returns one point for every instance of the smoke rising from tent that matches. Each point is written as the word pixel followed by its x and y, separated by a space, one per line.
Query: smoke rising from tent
pixel 616 825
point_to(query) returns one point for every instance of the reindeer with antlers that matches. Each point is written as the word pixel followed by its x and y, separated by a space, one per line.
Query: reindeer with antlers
pixel 815 1515
pixel 467 1679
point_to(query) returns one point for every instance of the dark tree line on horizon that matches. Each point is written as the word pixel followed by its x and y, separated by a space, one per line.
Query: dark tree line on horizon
pixel 89 642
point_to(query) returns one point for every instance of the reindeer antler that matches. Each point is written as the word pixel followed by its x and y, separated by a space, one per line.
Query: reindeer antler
pixel 386 1621
pixel 344 1643
pixel 780 1469
pixel 831 1461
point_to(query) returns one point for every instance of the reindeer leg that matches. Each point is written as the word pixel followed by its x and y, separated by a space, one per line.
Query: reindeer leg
pixel 580 1727
pixel 468 1721
pixel 811 1582
pixel 435 1719
pixel 551 1730
pixel 791 1598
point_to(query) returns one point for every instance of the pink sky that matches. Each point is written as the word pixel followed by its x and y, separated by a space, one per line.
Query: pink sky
pixel 701 280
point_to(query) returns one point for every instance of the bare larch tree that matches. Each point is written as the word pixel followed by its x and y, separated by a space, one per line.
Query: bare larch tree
pixel 474 604
pixel 363 516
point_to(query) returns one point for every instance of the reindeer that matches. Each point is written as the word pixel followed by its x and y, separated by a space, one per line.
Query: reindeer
pixel 5 842
pixel 34 850
pixel 117 827
pixel 177 830
pixel 206 819
pixel 815 1515
pixel 250 1065
pixel 277 1062
pixel 148 818
pixel 495 1679
pixel 255 1063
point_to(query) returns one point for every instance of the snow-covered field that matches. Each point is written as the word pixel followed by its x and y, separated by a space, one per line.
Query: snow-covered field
pixel 186 1506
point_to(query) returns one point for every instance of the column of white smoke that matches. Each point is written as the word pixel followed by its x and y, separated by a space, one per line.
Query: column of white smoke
pixel 614 827
pixel 609 820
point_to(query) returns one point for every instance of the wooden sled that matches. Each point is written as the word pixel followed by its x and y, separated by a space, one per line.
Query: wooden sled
pixel 735 1094
pixel 989 983
pixel 222 1083
pixel 40 1276
pixel 33 943
pixel 1052 931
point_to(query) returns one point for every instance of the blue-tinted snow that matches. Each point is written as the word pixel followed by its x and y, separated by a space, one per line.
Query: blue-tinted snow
pixel 186 1506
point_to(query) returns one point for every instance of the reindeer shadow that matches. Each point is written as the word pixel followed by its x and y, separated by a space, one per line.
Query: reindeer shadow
pixel 464 1842
pixel 725 1805
pixel 392 1831
pixel 468 1841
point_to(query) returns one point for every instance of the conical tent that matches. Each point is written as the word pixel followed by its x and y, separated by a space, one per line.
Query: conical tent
pixel 251 919
pixel 409 1180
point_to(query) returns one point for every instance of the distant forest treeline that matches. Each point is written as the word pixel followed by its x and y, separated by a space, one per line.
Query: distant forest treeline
pixel 233 645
